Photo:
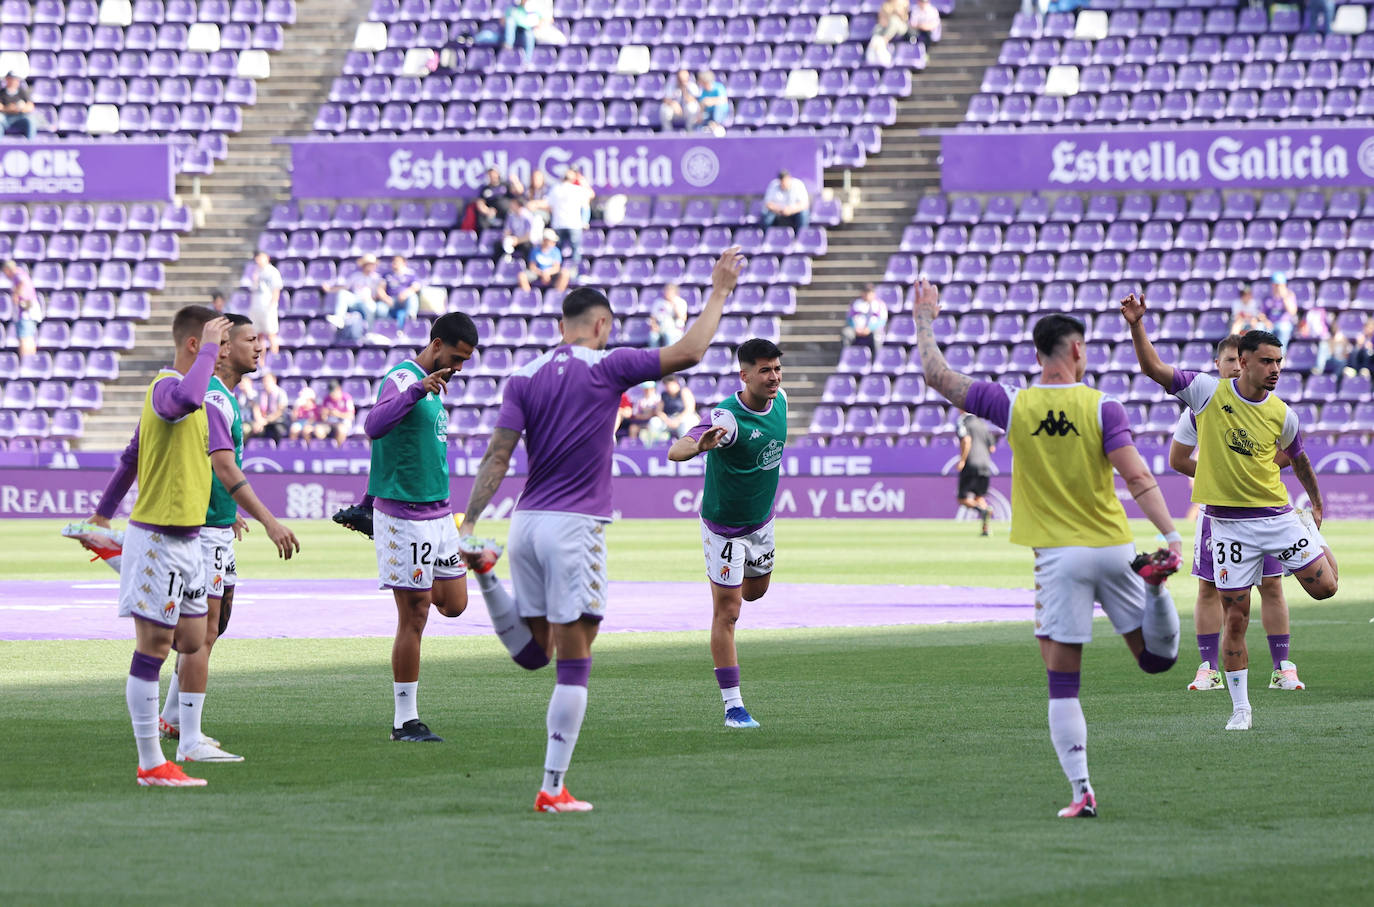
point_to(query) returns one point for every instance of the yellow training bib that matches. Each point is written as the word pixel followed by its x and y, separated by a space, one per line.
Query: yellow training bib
pixel 173 465
pixel 1236 443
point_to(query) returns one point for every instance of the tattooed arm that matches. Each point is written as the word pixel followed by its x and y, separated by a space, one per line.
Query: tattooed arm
pixel 945 380
pixel 1302 469
pixel 489 476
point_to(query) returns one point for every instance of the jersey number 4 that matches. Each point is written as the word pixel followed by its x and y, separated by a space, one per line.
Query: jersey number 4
pixel 728 551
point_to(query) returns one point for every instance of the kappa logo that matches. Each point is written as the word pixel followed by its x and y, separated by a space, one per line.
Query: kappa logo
pixel 393 561
pixel 148 571
pixel 1078 748
pixel 146 589
pixel 755 434
pixel 1055 427
pixel 594 586
pixel 1226 408
pixel 596 549
pixel 393 546
pixel 1240 441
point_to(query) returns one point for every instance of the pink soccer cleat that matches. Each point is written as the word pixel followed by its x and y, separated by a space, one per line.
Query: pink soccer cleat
pixel 1083 808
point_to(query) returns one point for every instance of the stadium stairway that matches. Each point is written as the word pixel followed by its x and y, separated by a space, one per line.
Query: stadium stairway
pixel 884 193
pixel 234 201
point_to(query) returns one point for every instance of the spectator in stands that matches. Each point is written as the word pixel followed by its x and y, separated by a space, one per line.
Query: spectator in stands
pixel 1362 350
pixel 1313 325
pixel 25 296
pixel 305 414
pixel 16 108
pixel 247 396
pixel 492 201
pixel 570 209
pixel 359 293
pixel 676 413
pixel 623 412
pixel 520 24
pixel 401 288
pixel 335 415
pixel 644 400
pixel 522 230
pixel 1246 315
pixel 1317 15
pixel 1340 352
pixel 218 302
pixel 867 320
pixel 271 413
pixel 1281 307
pixel 925 22
pixel 545 263
pixel 545 29
pixel 786 203
pixel 668 318
pixel 537 195
pixel 681 104
pixel 264 291
pixel 892 24
pixel 715 102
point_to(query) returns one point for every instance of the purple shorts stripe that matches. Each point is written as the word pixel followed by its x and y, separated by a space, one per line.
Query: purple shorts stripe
pixel 155 623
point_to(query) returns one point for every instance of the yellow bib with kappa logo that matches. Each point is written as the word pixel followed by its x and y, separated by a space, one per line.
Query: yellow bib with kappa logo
pixel 1062 492
pixel 1236 443
pixel 173 466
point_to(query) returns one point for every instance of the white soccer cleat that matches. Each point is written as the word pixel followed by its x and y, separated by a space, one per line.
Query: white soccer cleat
pixel 205 751
pixel 1240 720
pixel 106 544
pixel 1207 678
pixel 1286 678
pixel 168 731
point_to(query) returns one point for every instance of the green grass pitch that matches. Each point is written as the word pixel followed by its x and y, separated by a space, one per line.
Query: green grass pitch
pixel 895 766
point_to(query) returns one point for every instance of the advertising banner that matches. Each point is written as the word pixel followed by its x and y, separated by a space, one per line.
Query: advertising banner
pixel 86 171
pixel 633 165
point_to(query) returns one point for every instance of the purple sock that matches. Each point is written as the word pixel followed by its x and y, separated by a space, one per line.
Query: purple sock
pixel 1063 684
pixel 573 672
pixel 145 667
pixel 728 678
pixel 1278 648
pixel 1209 647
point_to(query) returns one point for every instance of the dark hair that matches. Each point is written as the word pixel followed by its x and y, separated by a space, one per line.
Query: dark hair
pixel 1051 330
pixel 191 320
pixel 1253 340
pixel 235 320
pixel 1229 342
pixel 751 351
pixel 579 301
pixel 453 329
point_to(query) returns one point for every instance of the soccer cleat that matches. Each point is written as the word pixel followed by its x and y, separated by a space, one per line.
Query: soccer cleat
pixel 358 518
pixel 1084 807
pixel 415 731
pixel 480 555
pixel 205 751
pixel 1240 720
pixel 171 732
pixel 738 716
pixel 168 774
pixel 1207 678
pixel 565 802
pixel 1286 678
pixel 1155 568
pixel 106 544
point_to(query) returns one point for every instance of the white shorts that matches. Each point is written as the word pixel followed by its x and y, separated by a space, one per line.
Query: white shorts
pixel 161 577
pixel 264 318
pixel 1239 548
pixel 558 565
pixel 412 554
pixel 1070 579
pixel 217 550
pixel 730 560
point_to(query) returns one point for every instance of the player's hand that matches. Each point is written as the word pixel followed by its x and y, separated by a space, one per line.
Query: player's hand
pixel 214 330
pixel 712 438
pixel 1133 308
pixel 437 382
pixel 240 528
pixel 284 539
pixel 1176 548
pixel 98 520
pixel 927 299
pixel 727 270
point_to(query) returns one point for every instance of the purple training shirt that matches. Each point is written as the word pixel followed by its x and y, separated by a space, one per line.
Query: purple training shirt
pixel 992 401
pixel 565 404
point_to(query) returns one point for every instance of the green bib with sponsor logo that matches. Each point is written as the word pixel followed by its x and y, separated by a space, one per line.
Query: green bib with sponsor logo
pixel 742 478
pixel 223 511
pixel 410 462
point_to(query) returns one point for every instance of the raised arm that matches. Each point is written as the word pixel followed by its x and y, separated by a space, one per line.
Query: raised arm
pixel 1143 487
pixel 393 404
pixel 949 383
pixel 175 399
pixel 489 476
pixel 693 443
pixel 688 351
pixel 1133 310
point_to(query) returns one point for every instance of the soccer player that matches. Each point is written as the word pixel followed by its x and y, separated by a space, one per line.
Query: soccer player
pixel 1241 426
pixel 181 716
pixel 161 577
pixel 745 438
pixel 1065 439
pixel 975 465
pixel 565 403
pixel 413 531
pixel 1207 611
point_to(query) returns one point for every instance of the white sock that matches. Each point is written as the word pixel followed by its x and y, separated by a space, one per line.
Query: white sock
pixel 141 697
pixel 1160 625
pixel 567 706
pixel 191 705
pixel 1238 684
pixel 405 695
pixel 732 698
pixel 1069 733
pixel 171 710
pixel 510 627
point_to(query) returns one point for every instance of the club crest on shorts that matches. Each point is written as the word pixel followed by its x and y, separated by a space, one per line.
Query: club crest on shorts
pixel 1223 575
pixel 169 609
pixel 416 575
pixel 725 571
